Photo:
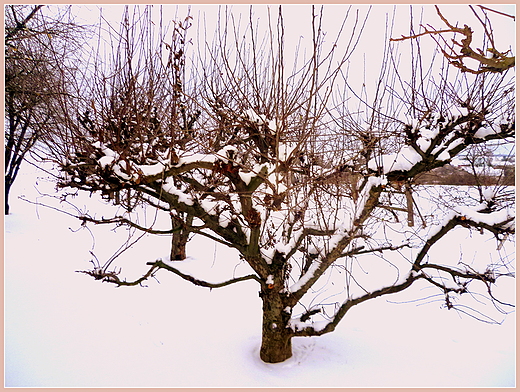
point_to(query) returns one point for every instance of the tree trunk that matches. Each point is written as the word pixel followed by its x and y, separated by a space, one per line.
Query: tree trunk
pixel 276 336
pixel 409 203
pixel 7 189
pixel 180 237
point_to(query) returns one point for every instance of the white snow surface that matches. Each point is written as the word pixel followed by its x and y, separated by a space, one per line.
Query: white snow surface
pixel 170 187
pixel 306 277
pixel 196 158
pixel 150 170
pixel 64 329
pixel 247 177
pixel 298 325
pixel 105 161
pixel 404 160
pixel 486 131
pixel 488 219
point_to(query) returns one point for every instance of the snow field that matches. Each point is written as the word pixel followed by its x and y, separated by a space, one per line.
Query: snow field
pixel 63 329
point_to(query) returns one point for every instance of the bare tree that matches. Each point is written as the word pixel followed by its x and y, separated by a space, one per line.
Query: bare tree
pixel 273 162
pixel 36 46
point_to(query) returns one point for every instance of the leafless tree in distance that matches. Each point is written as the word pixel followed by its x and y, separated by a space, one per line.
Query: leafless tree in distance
pixel 37 45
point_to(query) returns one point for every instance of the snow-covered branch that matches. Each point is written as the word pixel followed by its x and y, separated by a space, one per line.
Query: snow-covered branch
pixel 339 241
pixel 500 222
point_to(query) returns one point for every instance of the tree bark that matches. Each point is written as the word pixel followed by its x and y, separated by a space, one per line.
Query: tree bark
pixel 276 335
pixel 180 237
pixel 6 200
pixel 409 203
pixel 7 189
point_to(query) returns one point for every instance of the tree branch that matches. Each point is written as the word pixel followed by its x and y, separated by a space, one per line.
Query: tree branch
pixel 160 264
pixel 111 276
pixel 499 62
pixel 461 220
pixel 123 221
pixel 372 200
pixel 21 25
pixel 361 250
pixel 176 170
pixel 331 326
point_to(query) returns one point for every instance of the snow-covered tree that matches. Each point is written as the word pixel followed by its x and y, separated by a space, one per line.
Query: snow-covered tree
pixel 267 154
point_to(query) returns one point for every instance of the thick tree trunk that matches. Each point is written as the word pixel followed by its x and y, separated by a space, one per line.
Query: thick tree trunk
pixel 276 336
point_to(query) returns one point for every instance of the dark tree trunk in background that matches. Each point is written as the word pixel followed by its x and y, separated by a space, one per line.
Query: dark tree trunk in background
pixel 180 237
pixel 7 185
pixel 409 203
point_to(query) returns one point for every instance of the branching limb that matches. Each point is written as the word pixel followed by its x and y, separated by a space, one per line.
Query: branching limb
pixel 361 250
pixel 329 327
pixel 488 277
pixel 160 264
pixel 306 233
pixel 462 280
pixel 309 278
pixel 111 276
pixel 119 220
pixel 20 25
pixel 498 62
pixel 497 228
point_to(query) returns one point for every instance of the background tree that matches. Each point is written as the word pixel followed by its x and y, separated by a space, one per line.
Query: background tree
pixel 36 48
pixel 274 162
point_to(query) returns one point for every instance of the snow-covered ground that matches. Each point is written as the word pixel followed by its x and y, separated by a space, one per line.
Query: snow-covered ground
pixel 63 329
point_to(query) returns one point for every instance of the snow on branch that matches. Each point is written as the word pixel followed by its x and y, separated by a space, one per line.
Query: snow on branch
pixel 341 238
pixel 437 138
pixel 499 222
pixel 295 184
